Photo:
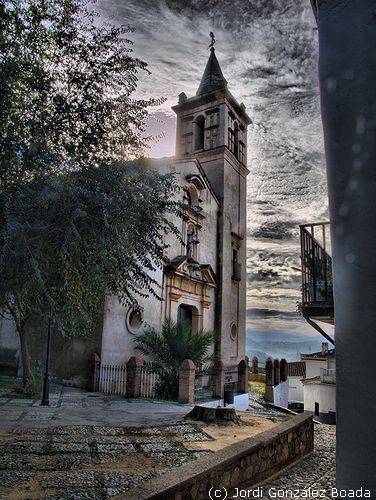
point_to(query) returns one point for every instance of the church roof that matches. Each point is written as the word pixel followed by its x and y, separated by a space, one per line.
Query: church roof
pixel 213 78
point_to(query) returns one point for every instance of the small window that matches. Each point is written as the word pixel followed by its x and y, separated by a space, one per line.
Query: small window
pixel 233 332
pixel 236 140
pixel 236 266
pixel 134 321
pixel 231 140
pixel 199 132
pixel 241 152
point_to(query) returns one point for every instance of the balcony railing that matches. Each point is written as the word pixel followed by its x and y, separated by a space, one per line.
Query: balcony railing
pixel 328 375
pixel 317 275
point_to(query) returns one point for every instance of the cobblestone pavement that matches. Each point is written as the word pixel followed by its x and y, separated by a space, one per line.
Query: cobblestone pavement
pixel 316 472
pixel 93 462
pixel 71 406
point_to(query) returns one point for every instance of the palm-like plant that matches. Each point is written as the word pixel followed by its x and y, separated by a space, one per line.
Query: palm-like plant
pixel 167 350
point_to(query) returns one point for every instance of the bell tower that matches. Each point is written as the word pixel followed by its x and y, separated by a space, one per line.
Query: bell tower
pixel 212 129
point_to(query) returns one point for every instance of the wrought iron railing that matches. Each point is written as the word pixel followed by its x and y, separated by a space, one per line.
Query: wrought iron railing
pixel 204 385
pixel 232 377
pixel 317 274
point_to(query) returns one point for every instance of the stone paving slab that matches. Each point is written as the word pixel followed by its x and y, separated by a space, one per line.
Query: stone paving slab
pixel 71 406
pixel 94 462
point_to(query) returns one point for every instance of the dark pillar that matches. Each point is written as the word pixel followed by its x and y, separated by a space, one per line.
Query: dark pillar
pixel 255 364
pixel 219 379
pixel 283 370
pixel 269 380
pixel 187 382
pixel 133 382
pixel 276 371
pixel 243 370
pixel 347 72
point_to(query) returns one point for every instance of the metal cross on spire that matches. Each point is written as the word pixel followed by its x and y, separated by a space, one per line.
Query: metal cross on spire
pixel 212 40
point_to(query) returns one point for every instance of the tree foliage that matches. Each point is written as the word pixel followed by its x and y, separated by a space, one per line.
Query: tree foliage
pixel 77 219
pixel 65 90
pixel 166 350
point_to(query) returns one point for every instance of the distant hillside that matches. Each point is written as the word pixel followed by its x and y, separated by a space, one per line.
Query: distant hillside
pixel 284 348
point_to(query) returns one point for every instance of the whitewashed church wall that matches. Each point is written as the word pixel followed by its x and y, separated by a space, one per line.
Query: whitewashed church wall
pixel 117 340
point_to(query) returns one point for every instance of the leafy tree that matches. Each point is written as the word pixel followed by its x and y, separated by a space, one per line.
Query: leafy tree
pixel 65 90
pixel 67 240
pixel 76 220
pixel 166 350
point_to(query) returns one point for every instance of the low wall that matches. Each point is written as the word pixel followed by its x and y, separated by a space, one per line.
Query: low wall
pixel 281 394
pixel 250 461
pixel 241 402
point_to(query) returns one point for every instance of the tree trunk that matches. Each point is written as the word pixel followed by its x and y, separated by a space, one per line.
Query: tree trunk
pixel 347 72
pixel 220 415
pixel 25 358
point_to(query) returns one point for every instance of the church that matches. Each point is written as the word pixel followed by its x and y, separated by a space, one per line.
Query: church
pixel 204 282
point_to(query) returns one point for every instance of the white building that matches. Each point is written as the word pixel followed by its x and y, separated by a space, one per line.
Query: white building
pixel 320 384
pixel 296 371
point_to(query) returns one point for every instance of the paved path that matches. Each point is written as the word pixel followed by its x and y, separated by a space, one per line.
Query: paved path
pixel 70 406
pixel 90 461
pixel 317 471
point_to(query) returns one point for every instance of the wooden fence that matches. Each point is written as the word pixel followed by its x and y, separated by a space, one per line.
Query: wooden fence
pixel 149 380
pixel 112 379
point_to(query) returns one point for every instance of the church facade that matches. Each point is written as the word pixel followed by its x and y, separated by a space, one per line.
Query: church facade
pixel 204 282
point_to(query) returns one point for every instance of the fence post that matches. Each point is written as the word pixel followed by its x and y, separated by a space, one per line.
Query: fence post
pixel 243 376
pixel 133 379
pixel 219 379
pixel 187 381
pixel 283 370
pixel 269 380
pixel 95 366
pixel 255 364
pixel 276 372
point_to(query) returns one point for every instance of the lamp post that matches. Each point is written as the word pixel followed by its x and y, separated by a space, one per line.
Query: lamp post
pixel 46 381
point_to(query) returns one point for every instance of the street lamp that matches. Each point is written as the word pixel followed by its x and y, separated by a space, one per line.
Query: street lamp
pixel 46 380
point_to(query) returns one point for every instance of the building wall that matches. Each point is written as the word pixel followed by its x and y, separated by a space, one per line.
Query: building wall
pixel 296 392
pixel 324 394
pixel 313 367
pixel 118 337
pixel 70 357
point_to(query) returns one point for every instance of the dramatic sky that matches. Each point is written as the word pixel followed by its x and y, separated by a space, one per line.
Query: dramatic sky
pixel 268 53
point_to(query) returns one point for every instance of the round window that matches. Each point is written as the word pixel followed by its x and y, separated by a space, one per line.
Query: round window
pixel 233 332
pixel 134 321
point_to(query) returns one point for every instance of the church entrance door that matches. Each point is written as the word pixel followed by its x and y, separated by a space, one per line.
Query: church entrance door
pixel 188 314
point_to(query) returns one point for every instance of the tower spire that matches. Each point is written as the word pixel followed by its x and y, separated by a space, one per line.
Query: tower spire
pixel 213 78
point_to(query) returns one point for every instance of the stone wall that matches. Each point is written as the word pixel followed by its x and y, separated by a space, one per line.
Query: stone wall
pixel 249 461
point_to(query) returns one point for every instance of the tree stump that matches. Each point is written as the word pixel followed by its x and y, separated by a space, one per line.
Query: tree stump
pixel 219 415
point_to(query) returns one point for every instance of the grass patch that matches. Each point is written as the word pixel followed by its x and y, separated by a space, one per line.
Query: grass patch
pixel 256 389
